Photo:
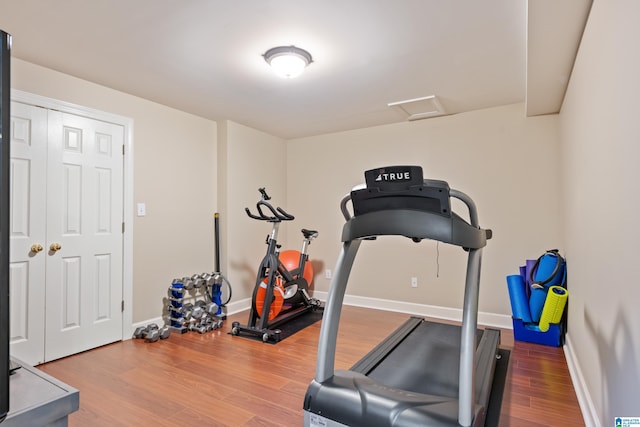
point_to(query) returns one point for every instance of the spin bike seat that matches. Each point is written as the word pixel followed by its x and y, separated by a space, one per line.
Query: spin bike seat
pixel 309 233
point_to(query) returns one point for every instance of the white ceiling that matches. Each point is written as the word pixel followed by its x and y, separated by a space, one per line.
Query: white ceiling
pixel 204 56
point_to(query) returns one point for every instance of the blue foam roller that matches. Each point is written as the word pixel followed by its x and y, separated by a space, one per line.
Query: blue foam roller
pixel 518 297
pixel 536 303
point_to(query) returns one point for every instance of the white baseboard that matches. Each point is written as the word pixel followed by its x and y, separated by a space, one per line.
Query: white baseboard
pixel 588 409
pixel 437 312
pixel 238 306
pixel 455 314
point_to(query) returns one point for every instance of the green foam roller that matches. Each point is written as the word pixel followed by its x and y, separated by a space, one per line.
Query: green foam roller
pixel 553 307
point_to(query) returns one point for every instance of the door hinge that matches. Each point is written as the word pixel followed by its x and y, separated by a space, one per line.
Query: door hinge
pixel 123 228
pixel 122 306
pixel 123 149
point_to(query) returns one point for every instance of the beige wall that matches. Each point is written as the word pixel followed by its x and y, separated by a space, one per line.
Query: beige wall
pixel 600 134
pixel 186 168
pixel 507 163
pixel 173 174
pixel 253 159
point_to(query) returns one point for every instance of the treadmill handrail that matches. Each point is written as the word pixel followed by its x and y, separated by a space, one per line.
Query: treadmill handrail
pixel 417 224
pixel 473 211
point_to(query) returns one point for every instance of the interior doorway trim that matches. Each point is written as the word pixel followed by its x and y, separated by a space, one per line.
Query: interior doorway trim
pixel 127 123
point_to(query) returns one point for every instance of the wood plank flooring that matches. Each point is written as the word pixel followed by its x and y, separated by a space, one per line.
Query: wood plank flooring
pixel 216 379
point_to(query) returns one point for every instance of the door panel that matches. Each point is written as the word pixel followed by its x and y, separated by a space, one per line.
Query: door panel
pixel 28 207
pixel 84 277
pixel 67 197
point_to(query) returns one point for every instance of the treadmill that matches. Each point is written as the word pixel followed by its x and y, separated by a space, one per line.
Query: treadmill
pixel 425 373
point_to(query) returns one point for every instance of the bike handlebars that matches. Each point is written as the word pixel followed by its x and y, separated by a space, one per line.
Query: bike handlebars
pixel 265 196
pixel 277 214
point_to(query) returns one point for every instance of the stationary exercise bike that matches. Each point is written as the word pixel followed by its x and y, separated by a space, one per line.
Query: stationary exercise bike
pixel 281 292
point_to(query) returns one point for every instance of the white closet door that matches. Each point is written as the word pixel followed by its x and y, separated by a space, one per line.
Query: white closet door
pixel 84 218
pixel 28 215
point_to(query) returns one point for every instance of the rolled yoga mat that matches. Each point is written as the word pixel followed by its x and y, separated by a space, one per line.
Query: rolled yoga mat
pixel 553 307
pixel 536 303
pixel 549 264
pixel 529 264
pixel 523 273
pixel 518 297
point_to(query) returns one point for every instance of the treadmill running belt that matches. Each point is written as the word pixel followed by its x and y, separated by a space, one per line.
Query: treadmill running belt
pixel 426 361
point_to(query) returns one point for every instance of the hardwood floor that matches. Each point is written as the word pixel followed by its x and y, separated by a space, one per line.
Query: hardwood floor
pixel 219 380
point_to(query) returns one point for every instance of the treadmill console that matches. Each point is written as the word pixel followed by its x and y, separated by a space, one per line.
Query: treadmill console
pixel 401 187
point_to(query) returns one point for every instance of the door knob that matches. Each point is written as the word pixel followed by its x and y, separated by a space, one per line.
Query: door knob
pixel 55 247
pixel 35 248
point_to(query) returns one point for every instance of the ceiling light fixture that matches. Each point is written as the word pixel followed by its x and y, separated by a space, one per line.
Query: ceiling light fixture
pixel 288 61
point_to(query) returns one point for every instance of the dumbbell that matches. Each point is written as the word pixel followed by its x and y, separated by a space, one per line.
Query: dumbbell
pixel 186 309
pixel 157 334
pixel 212 325
pixel 176 289
pixel 143 331
pixel 197 312
pixel 140 332
pixel 211 308
pixel 197 281
pixel 204 326
pixel 194 325
pixel 215 323
pixel 164 332
pixel 217 279
pixel 178 320
pixel 152 336
pixel 209 279
pixel 175 309
pixel 187 282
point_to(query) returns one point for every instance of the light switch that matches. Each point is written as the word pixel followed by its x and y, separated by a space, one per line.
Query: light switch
pixel 142 209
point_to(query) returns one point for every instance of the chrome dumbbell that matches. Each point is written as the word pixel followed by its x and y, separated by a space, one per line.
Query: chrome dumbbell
pixel 164 332
pixel 209 279
pixel 197 281
pixel 158 334
pixel 187 282
pixel 187 310
pixel 197 312
pixel 176 290
pixel 150 333
pixel 211 308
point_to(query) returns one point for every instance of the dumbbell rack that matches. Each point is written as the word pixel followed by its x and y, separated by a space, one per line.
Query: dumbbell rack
pixel 205 313
pixel 176 306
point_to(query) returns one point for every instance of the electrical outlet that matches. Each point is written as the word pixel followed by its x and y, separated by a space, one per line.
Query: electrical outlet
pixel 142 209
pixel 414 282
pixel 328 274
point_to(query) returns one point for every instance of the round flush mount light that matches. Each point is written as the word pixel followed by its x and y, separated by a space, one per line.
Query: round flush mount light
pixel 288 61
